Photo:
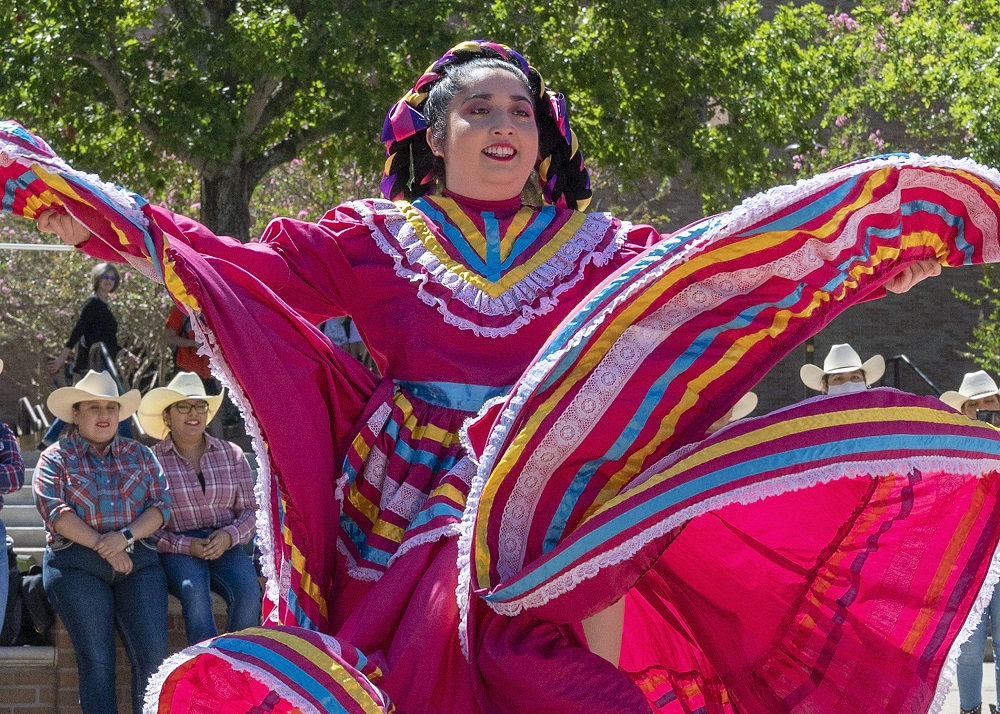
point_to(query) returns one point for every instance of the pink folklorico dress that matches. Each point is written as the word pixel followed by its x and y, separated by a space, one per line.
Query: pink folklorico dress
pixel 828 557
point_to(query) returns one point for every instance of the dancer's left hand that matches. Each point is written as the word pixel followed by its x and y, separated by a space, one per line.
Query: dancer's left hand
pixel 912 274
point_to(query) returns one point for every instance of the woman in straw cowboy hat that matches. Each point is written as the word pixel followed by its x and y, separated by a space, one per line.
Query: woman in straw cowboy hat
pixel 11 479
pixel 843 372
pixel 978 392
pixel 101 496
pixel 212 508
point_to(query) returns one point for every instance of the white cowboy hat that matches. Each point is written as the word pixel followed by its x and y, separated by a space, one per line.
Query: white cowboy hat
pixel 95 385
pixel 184 385
pixel 746 404
pixel 842 358
pixel 1 365
pixel 975 385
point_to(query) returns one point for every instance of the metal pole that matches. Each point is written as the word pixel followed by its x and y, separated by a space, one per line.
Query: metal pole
pixel 35 246
pixel 810 344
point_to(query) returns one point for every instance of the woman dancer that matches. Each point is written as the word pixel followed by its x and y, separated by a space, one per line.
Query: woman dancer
pixel 489 281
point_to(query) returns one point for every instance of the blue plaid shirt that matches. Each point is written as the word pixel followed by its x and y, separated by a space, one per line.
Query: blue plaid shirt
pixel 108 492
pixel 11 464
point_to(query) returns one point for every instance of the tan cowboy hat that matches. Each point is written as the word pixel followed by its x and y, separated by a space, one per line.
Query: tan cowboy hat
pixel 95 385
pixel 184 385
pixel 842 358
pixel 975 385
pixel 746 404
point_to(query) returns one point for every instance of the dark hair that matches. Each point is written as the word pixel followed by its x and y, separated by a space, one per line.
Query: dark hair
pixel 411 169
pixel 102 269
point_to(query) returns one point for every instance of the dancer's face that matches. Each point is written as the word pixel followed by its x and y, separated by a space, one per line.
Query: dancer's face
pixel 491 144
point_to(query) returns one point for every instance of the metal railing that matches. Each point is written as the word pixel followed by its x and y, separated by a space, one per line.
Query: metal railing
pixel 902 360
pixel 30 417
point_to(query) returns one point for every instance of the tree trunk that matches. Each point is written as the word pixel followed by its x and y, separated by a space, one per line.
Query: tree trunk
pixel 225 201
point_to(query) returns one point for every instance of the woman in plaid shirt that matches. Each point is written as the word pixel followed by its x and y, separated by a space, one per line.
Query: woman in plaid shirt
pixel 99 494
pixel 212 509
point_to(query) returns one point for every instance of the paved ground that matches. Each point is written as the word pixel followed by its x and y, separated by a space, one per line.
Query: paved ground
pixel 989 692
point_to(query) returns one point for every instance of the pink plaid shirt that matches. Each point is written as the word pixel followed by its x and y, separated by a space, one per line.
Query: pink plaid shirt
pixel 227 503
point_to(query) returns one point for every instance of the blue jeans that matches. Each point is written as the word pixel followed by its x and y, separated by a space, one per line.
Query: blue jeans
pixel 4 581
pixel 970 660
pixel 92 599
pixel 193 580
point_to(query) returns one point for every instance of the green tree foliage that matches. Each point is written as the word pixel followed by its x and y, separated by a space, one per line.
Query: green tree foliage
pixel 229 89
pixel 927 80
pixel 148 92
pixel 242 111
pixel 699 92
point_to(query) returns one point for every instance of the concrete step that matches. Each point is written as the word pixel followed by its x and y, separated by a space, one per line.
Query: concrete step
pixel 24 497
pixel 26 537
pixel 30 457
pixel 35 554
pixel 22 516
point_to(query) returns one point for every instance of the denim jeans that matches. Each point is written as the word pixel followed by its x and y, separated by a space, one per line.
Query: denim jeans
pixel 92 600
pixel 4 580
pixel 970 660
pixel 193 580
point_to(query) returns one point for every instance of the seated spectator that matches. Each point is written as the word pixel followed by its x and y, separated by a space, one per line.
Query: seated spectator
pixel 101 495
pixel 843 372
pixel 11 479
pixel 212 510
pixel 979 392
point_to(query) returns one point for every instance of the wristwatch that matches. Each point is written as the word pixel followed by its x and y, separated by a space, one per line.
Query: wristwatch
pixel 129 539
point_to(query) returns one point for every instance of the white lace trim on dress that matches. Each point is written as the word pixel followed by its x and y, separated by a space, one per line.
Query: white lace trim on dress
pixel 535 294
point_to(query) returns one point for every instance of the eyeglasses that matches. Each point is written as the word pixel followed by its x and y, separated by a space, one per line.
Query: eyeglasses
pixel 186 407
pixel 109 276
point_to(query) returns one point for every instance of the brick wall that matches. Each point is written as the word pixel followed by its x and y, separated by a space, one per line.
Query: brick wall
pixel 43 682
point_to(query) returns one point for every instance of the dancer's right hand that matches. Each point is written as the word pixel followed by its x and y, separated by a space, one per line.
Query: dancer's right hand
pixel 69 230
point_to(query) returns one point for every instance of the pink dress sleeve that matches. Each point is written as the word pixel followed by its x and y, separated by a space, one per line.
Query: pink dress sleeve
pixel 305 263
